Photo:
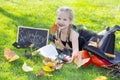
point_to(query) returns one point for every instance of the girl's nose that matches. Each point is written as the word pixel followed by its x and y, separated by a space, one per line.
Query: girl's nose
pixel 61 21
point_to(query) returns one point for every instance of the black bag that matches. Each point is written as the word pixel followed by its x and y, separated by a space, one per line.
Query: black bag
pixel 22 45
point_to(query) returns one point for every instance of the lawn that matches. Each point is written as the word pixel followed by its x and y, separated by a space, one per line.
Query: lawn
pixel 94 15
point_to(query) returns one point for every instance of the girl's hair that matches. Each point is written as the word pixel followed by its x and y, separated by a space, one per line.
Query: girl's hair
pixel 67 10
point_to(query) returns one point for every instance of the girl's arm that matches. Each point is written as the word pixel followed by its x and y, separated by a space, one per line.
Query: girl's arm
pixel 74 39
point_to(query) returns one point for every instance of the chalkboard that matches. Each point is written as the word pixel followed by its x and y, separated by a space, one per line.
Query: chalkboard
pixel 37 36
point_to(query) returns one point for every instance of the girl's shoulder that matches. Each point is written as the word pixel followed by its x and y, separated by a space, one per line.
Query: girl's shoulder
pixel 74 32
pixel 74 29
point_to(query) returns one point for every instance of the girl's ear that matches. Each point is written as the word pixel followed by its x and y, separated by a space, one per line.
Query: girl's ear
pixel 71 21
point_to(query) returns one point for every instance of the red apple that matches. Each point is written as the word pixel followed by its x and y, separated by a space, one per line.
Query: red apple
pixel 99 61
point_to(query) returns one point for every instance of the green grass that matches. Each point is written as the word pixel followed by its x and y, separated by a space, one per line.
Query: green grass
pixel 95 15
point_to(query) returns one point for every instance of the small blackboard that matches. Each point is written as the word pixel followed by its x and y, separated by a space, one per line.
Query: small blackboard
pixel 37 36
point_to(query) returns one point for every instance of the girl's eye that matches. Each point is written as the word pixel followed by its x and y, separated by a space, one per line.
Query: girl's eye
pixel 59 18
pixel 65 19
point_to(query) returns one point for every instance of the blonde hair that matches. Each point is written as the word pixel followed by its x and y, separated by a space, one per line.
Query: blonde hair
pixel 67 10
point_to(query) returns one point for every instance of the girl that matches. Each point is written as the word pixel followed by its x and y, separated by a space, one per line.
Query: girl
pixel 67 37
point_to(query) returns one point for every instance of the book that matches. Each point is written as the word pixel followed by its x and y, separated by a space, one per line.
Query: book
pixel 48 51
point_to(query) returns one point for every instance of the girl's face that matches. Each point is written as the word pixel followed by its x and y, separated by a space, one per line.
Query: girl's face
pixel 63 20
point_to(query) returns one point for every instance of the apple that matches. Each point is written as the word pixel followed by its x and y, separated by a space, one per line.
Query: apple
pixel 99 61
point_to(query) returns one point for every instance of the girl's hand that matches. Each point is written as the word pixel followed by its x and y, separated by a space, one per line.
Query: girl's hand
pixel 69 60
pixel 75 56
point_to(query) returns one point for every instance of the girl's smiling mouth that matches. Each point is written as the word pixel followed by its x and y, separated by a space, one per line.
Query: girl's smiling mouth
pixel 61 25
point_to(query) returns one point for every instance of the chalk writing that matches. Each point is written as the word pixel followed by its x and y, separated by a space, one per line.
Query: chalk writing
pixel 38 37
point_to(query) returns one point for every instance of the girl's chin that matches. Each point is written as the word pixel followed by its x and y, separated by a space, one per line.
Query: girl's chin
pixel 62 27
